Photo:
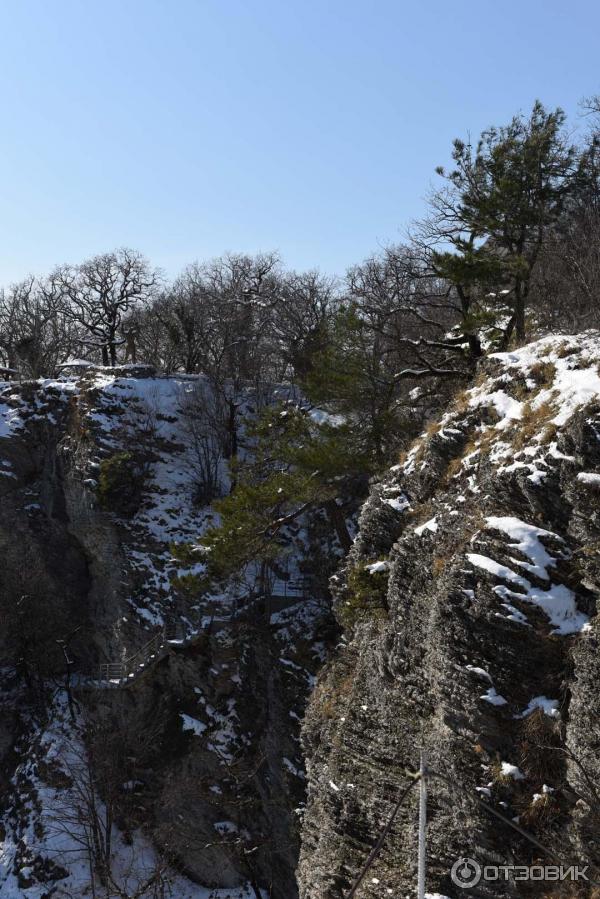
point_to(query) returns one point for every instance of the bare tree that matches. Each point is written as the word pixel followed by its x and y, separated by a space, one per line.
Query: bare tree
pixel 300 322
pixel 566 284
pixel 34 336
pixel 414 312
pixel 204 422
pixel 218 317
pixel 99 808
pixel 100 293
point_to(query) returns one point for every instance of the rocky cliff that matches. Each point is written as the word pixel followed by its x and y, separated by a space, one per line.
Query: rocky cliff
pixel 467 609
pixel 468 606
pixel 182 764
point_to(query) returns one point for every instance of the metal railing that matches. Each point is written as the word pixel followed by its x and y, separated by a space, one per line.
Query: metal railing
pixel 131 667
pixel 300 587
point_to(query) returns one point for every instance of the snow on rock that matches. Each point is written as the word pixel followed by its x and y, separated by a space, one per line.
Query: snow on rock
pixel 399 504
pixel 575 382
pixel 508 770
pixel 111 409
pixel 430 525
pixel 76 363
pixel 63 838
pixel 192 724
pixel 507 408
pixel 481 672
pixel 493 697
pixel 527 540
pixel 575 389
pixel 514 614
pixel 10 420
pixel 588 477
pixel 561 377
pixel 497 569
pixel 559 605
pixel 558 601
pixel 378 567
pixel 548 706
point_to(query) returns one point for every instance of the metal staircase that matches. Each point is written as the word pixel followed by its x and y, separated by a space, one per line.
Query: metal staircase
pixel 278 595
pixel 120 674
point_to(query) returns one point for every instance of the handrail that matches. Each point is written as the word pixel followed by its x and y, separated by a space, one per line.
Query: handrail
pixel 135 663
pixel 300 586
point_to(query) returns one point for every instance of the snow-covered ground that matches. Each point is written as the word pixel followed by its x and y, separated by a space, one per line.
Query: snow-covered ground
pixel 55 826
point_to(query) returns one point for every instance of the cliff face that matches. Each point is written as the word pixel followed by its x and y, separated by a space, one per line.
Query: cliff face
pixel 469 610
pixel 194 764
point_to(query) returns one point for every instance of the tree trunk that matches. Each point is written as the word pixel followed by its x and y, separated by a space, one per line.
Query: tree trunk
pixel 474 346
pixel 338 522
pixel 232 429
pixel 520 312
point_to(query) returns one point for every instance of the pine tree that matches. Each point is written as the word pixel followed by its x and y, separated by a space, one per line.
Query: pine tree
pixel 296 464
pixel 500 201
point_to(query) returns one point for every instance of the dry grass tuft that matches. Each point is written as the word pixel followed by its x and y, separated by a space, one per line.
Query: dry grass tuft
pixel 329 699
pixel 438 565
pixel 461 402
pixel 543 373
pixel 539 812
pixel 567 349
pixel 454 468
pixel 539 760
pixel 533 423
pixel 433 428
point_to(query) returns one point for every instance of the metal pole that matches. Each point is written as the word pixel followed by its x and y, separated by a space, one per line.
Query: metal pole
pixel 422 829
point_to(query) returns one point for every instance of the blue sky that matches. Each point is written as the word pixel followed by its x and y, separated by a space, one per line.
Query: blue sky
pixel 185 128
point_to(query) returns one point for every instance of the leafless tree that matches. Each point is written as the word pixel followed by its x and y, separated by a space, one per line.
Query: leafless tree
pixel 99 805
pixel 204 420
pixel 411 358
pixel 300 322
pixel 34 337
pixel 566 287
pixel 218 316
pixel 99 294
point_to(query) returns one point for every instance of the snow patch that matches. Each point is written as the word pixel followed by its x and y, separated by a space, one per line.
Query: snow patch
pixel 378 567
pixel 548 706
pixel 192 724
pixel 527 541
pixel 493 697
pixel 588 477
pixel 509 770
pixel 430 525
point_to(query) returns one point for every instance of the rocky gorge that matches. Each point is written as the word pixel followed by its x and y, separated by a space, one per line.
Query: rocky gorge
pixel 463 623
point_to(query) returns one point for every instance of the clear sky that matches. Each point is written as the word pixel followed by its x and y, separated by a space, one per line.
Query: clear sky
pixel 185 128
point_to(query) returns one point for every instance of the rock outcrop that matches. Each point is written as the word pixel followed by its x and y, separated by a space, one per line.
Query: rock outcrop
pixel 197 761
pixel 468 604
pixel 467 607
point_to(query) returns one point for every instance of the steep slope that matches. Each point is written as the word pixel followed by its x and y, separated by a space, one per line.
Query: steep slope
pixel 193 756
pixel 468 604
